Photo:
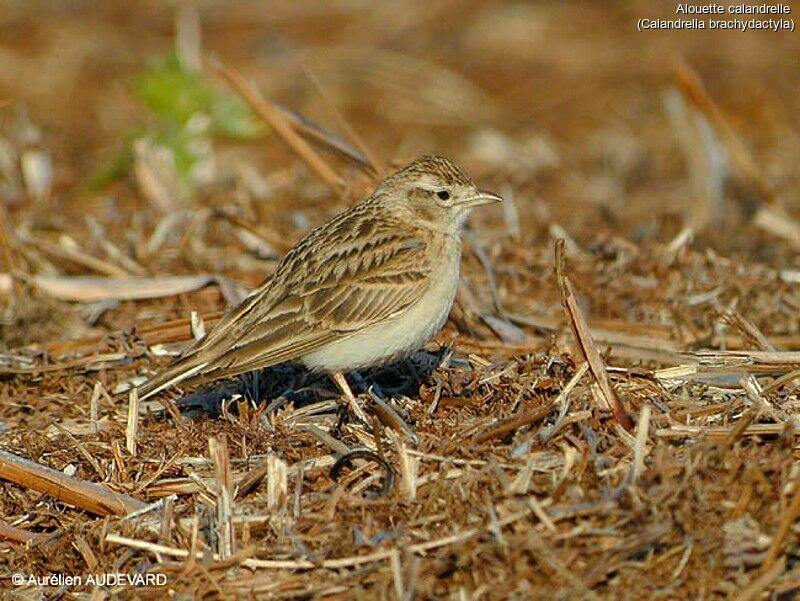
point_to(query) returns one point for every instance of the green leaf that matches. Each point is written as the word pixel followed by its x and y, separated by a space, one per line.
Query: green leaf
pixel 173 93
pixel 175 96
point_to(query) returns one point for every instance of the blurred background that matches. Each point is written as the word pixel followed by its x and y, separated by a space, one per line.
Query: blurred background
pixel 120 142
pixel 150 171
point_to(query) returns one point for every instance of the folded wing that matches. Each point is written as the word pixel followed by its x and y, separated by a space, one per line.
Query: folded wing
pixel 345 276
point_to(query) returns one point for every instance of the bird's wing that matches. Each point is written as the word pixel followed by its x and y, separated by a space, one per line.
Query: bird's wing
pixel 341 278
pixel 339 292
pixel 367 282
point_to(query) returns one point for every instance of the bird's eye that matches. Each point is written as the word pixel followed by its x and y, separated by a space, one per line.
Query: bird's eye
pixel 443 194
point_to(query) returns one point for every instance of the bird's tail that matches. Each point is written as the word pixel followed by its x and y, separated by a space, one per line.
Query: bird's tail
pixel 184 369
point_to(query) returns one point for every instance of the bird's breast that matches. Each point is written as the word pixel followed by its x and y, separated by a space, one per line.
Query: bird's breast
pixel 402 334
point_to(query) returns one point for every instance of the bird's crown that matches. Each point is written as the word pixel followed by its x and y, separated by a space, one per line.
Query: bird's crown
pixel 445 169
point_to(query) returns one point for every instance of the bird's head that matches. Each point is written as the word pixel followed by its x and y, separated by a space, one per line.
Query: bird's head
pixel 434 192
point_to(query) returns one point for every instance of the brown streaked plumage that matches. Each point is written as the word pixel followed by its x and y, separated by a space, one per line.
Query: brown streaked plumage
pixel 371 285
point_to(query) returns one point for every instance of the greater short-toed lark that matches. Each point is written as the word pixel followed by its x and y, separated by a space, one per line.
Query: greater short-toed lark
pixel 370 286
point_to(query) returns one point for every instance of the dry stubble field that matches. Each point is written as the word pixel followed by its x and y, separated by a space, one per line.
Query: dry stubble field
pixel 608 417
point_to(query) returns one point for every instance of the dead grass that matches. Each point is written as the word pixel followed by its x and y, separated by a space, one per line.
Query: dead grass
pixel 612 416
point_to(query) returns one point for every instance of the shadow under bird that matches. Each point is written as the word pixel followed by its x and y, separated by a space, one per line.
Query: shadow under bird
pixel 369 287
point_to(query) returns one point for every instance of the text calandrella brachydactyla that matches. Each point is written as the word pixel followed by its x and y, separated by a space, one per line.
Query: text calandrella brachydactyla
pixel 724 24
pixel 735 23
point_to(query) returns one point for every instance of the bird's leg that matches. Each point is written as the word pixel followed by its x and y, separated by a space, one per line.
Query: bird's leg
pixel 338 378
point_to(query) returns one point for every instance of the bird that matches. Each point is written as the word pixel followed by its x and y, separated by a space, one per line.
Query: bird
pixel 370 286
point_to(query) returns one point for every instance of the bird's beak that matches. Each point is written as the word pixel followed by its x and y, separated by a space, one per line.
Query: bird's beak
pixel 480 197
